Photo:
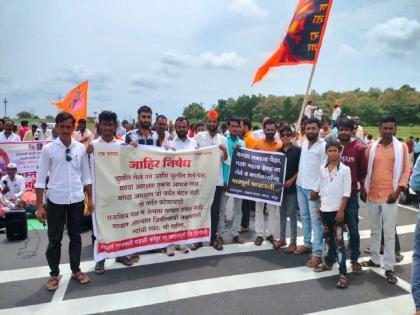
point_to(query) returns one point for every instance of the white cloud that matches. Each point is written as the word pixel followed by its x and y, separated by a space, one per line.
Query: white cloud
pixel 226 60
pixel 397 36
pixel 346 51
pixel 247 8
pixel 141 81
pixel 77 74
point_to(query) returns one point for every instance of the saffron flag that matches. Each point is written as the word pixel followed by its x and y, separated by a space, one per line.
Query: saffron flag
pixel 303 39
pixel 75 101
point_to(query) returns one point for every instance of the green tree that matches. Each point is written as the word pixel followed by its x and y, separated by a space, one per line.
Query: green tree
pixel 194 112
pixel 49 118
pixel 24 115
pixel 267 106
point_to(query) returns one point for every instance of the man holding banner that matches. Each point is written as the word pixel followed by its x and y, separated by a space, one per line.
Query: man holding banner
pixel 206 139
pixel 269 143
pixel 233 141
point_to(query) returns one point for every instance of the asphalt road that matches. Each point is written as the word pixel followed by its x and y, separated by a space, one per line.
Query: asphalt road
pixel 241 279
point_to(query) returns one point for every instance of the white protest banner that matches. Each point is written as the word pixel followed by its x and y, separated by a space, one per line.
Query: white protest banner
pixel 26 157
pixel 147 199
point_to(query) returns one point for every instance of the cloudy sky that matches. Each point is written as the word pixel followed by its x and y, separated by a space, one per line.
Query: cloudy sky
pixel 167 54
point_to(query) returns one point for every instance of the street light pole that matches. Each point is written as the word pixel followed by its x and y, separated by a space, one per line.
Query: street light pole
pixel 5 101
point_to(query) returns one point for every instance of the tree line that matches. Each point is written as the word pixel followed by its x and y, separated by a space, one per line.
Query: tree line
pixel 370 105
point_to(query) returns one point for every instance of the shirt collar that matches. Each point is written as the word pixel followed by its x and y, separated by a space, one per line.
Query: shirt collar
pixel 60 143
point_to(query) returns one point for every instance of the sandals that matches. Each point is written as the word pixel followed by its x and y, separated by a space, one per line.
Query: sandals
pixel 390 277
pixel 322 267
pixel 291 248
pixel 244 229
pixel 238 240
pixel 134 258
pixel 370 263
pixel 279 244
pixel 313 262
pixel 196 246
pixel 302 249
pixel 258 241
pixel 52 283
pixel 80 277
pixel 124 260
pixel 218 244
pixel 356 268
pixel 100 267
pixel 270 239
pixel 342 282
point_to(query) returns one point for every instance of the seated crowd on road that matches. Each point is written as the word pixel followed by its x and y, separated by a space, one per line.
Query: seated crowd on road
pixel 331 167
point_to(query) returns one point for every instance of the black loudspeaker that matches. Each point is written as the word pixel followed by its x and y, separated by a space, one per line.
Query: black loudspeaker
pixel 16 225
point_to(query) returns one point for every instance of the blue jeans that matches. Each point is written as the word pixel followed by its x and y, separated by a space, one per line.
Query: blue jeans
pixel 352 220
pixel 415 273
pixel 310 220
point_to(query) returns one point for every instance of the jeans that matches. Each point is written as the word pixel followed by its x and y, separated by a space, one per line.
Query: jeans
pixel 288 209
pixel 415 273
pixel 352 220
pixel 273 220
pixel 215 206
pixel 58 216
pixel 237 215
pixel 311 221
pixel 383 214
pixel 333 242
pixel 247 206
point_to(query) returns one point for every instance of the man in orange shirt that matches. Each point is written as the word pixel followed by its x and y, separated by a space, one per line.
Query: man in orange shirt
pixel 388 172
pixel 269 143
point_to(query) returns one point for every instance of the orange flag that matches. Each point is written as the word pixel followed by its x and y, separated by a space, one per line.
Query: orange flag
pixel 303 39
pixel 75 101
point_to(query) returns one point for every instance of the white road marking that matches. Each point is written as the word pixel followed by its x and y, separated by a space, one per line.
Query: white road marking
pixel 89 266
pixel 173 292
pixel 62 288
pixel 401 305
pixel 408 208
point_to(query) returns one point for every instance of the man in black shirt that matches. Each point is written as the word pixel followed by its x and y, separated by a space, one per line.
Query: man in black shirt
pixel 289 203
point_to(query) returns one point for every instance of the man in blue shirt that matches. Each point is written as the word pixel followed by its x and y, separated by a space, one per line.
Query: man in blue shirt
pixel 233 141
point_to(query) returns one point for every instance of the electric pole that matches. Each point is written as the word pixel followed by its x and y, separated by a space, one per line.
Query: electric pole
pixel 5 101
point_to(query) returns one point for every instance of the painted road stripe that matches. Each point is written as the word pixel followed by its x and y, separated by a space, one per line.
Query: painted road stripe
pixel 89 266
pixel 172 292
pixel 401 305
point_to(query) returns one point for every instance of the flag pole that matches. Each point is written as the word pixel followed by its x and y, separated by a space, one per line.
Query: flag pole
pixel 305 99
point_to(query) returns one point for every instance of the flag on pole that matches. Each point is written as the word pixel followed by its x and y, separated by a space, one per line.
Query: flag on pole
pixel 75 101
pixel 303 40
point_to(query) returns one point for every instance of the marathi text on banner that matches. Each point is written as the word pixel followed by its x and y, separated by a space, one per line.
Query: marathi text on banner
pixel 257 175
pixel 147 199
pixel 26 157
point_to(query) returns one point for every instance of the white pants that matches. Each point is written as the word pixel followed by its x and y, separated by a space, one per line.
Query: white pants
pixel 383 214
pixel 237 215
pixel 273 224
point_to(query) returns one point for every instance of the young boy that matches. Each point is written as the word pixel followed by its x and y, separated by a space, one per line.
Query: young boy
pixel 335 190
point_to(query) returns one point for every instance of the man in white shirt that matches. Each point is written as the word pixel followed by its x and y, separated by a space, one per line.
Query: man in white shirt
pixel 205 139
pixel 311 159
pixel 180 143
pixel 12 184
pixel 318 113
pixel 65 162
pixel 84 135
pixel 107 124
pixel 7 135
pixel 336 113
pixel 44 133
pixel 309 109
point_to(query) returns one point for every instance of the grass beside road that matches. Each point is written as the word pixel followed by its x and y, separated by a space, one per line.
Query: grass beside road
pixel 402 131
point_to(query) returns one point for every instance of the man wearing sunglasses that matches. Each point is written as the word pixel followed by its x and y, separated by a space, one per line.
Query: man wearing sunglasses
pixel 65 162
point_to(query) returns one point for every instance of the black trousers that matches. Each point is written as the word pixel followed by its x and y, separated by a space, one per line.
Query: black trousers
pixel 247 207
pixel 57 217
pixel 215 206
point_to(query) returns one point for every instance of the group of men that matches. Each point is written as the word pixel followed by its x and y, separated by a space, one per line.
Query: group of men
pixel 324 181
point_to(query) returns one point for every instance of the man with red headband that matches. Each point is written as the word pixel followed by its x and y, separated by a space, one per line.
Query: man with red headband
pixel 205 139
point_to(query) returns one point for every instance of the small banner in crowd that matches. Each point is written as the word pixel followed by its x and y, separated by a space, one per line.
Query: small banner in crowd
pixel 26 157
pixel 257 175
pixel 147 199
